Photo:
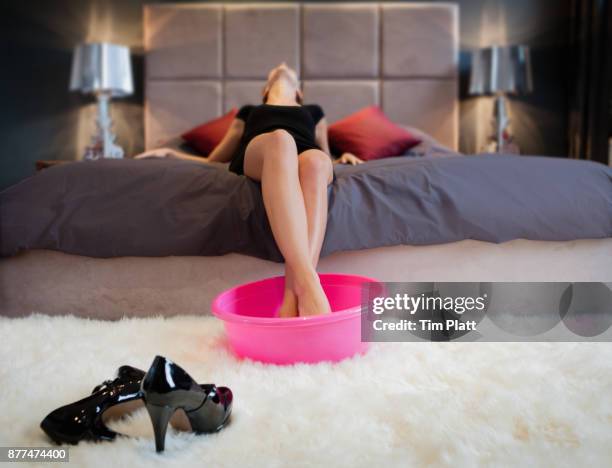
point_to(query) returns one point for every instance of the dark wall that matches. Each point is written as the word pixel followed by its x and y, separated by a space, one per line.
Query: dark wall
pixel 41 119
pixel 539 120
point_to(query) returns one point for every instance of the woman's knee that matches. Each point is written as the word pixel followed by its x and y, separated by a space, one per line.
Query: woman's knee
pixel 280 148
pixel 281 138
pixel 276 148
pixel 315 165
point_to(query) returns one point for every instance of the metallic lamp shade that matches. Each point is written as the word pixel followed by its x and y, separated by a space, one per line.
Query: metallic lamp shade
pixel 102 68
pixel 498 69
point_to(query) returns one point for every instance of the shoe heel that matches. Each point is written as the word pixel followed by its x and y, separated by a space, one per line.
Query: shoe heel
pixel 160 416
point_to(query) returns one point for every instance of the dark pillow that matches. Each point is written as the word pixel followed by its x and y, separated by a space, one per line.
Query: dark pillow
pixel 205 137
pixel 428 146
pixel 369 134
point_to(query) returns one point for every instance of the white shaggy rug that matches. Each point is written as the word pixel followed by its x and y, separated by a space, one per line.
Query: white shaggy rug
pixel 417 404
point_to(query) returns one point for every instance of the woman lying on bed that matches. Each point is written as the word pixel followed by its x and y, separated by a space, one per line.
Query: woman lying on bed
pixel 283 144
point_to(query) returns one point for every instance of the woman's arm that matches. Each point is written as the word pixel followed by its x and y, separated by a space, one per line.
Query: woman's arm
pixel 323 142
pixel 170 153
pixel 321 136
pixel 226 149
pixel 223 152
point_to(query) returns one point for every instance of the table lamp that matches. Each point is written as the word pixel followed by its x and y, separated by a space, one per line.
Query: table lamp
pixel 104 70
pixel 497 71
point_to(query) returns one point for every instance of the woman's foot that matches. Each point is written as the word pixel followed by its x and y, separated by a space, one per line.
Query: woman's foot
pixel 289 307
pixel 311 298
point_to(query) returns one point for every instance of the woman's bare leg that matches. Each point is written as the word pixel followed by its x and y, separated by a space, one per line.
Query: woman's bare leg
pixel 272 158
pixel 315 172
pixel 289 306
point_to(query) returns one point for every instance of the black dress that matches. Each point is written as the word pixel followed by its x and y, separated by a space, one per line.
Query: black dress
pixel 299 121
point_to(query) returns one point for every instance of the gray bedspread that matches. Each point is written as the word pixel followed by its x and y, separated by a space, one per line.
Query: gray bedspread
pixel 166 207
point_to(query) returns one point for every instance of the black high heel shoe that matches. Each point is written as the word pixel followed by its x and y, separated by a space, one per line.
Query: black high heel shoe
pixel 82 420
pixel 166 387
pixel 124 373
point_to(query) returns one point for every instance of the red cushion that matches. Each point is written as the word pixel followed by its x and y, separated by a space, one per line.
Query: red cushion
pixel 205 137
pixel 369 134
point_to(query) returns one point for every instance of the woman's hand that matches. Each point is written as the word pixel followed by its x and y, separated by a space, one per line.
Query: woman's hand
pixel 157 153
pixel 171 154
pixel 348 158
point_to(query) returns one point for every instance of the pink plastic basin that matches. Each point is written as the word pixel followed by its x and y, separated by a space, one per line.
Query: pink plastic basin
pixel 255 331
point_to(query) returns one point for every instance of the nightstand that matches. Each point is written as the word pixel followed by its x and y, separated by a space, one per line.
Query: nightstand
pixel 44 164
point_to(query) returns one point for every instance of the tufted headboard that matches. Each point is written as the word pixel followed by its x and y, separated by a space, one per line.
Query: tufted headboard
pixel 202 59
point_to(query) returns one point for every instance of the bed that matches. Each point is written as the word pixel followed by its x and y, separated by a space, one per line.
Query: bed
pixel 203 59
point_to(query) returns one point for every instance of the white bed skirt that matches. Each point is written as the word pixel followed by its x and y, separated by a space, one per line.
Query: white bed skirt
pixel 56 283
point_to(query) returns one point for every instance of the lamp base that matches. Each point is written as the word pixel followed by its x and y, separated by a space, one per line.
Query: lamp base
pixel 501 121
pixel 103 142
pixel 501 141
